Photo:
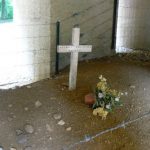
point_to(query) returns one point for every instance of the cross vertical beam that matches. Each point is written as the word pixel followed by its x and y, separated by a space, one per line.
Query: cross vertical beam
pixel 74 59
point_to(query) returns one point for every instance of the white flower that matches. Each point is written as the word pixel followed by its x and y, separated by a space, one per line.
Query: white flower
pixel 122 93
pixel 117 99
pixel 100 77
pixel 100 95
pixel 108 106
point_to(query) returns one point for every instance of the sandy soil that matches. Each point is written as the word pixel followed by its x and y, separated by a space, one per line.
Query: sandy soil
pixel 17 109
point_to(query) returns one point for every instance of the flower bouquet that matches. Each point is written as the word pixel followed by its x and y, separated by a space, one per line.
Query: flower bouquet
pixel 106 99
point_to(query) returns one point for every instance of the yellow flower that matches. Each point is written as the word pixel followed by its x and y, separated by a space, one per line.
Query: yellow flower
pixel 102 78
pixel 101 112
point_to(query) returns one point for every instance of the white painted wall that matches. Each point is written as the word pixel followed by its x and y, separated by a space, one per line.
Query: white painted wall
pixel 25 44
pixel 133 25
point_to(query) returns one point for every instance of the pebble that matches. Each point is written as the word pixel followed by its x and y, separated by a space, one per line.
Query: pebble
pixel 126 93
pixel 61 123
pixel 50 138
pixel 38 104
pixel 10 105
pixel 57 116
pixel 22 139
pixel 68 129
pixel 49 128
pixel 29 128
pixel 18 132
pixel 26 108
pixel 12 148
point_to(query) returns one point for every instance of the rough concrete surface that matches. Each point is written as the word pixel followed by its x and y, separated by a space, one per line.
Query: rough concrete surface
pixel 46 116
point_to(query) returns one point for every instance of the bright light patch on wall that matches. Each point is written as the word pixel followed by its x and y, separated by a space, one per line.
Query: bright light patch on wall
pixel 15 62
pixel 121 23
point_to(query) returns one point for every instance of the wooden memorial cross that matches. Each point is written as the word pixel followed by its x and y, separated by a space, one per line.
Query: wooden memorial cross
pixel 74 49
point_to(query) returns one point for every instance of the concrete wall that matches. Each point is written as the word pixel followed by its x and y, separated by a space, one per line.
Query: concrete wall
pixel 95 20
pixel 133 25
pixel 25 44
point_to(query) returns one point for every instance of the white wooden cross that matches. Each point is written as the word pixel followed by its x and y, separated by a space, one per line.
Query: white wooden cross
pixel 74 49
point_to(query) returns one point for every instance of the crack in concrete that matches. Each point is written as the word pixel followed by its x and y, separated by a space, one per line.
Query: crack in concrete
pixel 121 125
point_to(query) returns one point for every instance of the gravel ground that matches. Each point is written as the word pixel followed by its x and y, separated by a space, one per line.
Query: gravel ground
pixel 46 116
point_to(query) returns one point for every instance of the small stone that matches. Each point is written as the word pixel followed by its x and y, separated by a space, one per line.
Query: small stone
pixel 28 148
pixel 29 128
pixel 10 105
pixel 22 139
pixel 14 116
pixel 126 93
pixel 18 132
pixel 50 138
pixel 49 128
pixel 57 116
pixel 68 129
pixel 38 104
pixel 1 148
pixel 61 123
pixel 12 148
pixel 26 108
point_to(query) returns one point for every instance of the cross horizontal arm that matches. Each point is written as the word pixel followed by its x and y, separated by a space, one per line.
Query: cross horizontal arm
pixel 71 48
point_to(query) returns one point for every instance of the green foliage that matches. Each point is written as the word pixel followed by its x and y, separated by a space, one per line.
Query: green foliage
pixel 106 98
pixel 6 10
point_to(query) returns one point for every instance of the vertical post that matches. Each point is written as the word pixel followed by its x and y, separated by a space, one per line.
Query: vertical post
pixel 115 20
pixel 57 43
pixel 74 59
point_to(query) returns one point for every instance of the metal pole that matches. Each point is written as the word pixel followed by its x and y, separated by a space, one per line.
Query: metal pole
pixel 115 20
pixel 57 43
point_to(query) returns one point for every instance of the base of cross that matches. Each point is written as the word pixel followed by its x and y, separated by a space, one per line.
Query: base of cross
pixel 74 49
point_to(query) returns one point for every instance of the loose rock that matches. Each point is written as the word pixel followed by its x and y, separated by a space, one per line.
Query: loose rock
pixel 12 148
pixel 29 128
pixel 57 116
pixel 22 139
pixel 49 128
pixel 61 123
pixel 10 105
pixel 68 129
pixel 26 108
pixel 38 104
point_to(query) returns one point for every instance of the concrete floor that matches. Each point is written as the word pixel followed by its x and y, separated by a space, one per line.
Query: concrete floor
pixel 128 128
